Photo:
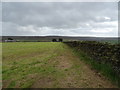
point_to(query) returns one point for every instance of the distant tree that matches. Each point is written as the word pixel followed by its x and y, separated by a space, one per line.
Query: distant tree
pixel 54 40
pixel 10 39
pixel 60 39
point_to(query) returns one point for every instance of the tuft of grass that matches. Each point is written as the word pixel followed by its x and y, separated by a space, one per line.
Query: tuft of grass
pixel 104 69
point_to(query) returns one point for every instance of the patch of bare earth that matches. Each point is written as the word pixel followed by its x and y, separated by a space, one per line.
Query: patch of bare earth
pixel 44 82
pixel 63 62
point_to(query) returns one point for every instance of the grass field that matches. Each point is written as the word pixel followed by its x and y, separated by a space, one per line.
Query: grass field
pixel 47 65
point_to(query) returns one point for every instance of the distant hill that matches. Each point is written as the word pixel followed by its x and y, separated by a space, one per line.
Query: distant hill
pixel 49 38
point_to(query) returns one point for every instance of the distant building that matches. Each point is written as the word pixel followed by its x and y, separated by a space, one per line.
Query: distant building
pixel 10 40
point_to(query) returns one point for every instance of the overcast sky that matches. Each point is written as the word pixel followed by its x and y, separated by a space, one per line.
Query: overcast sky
pixel 98 19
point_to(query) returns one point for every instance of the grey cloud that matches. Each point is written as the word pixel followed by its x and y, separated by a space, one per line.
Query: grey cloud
pixel 59 17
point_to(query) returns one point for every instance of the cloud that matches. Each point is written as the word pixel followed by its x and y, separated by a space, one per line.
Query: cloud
pixel 59 18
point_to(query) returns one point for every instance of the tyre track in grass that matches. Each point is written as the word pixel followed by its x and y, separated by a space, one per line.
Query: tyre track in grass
pixel 76 74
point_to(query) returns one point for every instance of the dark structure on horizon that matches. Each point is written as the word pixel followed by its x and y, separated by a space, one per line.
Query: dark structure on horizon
pixel 10 39
pixel 54 40
pixel 59 40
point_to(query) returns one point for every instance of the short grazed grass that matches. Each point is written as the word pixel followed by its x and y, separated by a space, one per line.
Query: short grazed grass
pixel 23 59
pixel 46 65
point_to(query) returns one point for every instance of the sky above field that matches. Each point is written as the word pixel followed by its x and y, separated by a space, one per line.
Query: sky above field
pixel 99 19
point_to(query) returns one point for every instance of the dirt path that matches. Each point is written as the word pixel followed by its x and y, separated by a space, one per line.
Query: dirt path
pixel 71 72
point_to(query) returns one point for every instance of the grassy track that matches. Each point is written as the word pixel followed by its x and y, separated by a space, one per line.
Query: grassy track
pixel 46 65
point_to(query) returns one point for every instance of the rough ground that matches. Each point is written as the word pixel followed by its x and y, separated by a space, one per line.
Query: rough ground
pixel 56 67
